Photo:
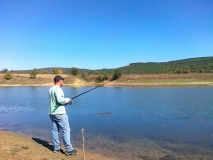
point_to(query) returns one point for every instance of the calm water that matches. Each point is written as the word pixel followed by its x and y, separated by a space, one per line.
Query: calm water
pixel 122 122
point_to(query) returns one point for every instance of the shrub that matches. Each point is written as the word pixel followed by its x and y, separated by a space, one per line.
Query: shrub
pixel 105 77
pixel 8 75
pixel 178 71
pixel 200 71
pixel 186 71
pixel 99 79
pixel 57 71
pixel 60 71
pixel 117 74
pixel 74 71
pixel 33 74
pixel 5 70
pixel 102 78
pixel 96 73
pixel 84 75
pixel 44 72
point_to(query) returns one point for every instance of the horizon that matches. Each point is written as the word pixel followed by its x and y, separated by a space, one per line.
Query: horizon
pixel 102 34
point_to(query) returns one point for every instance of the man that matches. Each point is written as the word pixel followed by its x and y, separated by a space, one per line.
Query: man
pixel 59 117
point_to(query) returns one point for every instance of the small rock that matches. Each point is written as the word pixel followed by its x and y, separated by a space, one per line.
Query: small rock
pixel 25 147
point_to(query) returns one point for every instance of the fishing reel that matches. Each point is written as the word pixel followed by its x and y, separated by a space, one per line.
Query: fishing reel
pixel 70 102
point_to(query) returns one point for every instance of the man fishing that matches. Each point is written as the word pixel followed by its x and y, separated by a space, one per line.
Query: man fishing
pixel 59 117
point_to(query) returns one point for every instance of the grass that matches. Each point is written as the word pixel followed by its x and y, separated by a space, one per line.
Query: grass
pixel 133 79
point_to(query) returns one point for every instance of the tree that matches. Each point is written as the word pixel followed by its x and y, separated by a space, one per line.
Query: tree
pixel 178 71
pixel 44 71
pixel 141 72
pixel 99 79
pixel 5 70
pixel 117 74
pixel 102 78
pixel 105 77
pixel 33 73
pixel 8 75
pixel 57 71
pixel 84 75
pixel 96 73
pixel 200 71
pixel 74 71
pixel 186 71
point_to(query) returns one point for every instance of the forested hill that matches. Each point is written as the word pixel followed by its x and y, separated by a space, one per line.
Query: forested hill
pixel 191 65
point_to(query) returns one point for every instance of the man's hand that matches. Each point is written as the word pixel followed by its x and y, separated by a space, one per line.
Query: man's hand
pixel 70 101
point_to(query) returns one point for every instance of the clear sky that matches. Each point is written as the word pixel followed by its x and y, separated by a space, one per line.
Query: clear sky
pixel 96 34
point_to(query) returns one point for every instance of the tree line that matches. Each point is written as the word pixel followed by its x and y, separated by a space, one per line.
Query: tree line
pixel 74 71
pixel 191 65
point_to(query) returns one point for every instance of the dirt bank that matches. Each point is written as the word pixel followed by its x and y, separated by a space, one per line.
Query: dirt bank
pixel 192 79
pixel 18 147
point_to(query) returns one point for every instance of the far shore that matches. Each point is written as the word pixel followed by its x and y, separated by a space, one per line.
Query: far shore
pixel 118 85
pixel 146 80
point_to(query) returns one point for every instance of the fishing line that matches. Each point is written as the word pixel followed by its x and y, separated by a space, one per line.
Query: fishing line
pixel 83 93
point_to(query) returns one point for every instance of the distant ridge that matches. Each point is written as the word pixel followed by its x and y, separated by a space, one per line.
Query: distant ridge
pixel 190 65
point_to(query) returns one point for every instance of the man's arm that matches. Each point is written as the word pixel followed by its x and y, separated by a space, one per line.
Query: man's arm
pixel 60 97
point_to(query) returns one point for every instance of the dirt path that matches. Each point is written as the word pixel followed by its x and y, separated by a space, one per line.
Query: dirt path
pixel 18 147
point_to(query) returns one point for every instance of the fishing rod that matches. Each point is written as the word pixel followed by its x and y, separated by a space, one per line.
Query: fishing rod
pixel 83 93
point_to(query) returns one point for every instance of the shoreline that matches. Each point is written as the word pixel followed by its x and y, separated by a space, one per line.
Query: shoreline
pixel 18 146
pixel 118 84
pixel 141 80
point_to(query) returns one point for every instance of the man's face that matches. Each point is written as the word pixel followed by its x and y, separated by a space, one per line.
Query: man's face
pixel 61 82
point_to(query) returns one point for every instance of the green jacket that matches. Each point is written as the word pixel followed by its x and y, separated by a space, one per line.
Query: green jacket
pixel 56 97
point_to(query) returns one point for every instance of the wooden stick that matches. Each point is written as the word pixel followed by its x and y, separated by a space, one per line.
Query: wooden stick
pixel 83 130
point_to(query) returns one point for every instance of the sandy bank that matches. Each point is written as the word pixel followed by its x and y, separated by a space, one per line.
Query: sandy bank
pixel 194 79
pixel 15 146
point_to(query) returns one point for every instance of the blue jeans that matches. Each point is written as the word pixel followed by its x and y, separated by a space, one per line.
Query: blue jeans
pixel 61 122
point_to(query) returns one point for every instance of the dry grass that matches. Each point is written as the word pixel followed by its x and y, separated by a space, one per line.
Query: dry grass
pixel 41 79
pixel 195 79
pixel 202 76
pixel 129 80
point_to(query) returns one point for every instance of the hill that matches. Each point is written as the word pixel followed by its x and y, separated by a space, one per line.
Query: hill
pixel 49 70
pixel 191 65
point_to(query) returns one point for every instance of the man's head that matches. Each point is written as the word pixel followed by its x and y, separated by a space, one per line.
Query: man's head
pixel 59 80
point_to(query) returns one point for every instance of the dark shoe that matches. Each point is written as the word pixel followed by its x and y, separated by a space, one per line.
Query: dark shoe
pixel 57 151
pixel 73 152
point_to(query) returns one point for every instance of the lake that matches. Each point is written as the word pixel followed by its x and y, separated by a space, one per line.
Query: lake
pixel 123 122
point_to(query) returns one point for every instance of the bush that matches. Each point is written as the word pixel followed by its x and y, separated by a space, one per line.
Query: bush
pixel 57 71
pixel 200 71
pixel 99 79
pixel 8 75
pixel 96 73
pixel 5 70
pixel 44 72
pixel 186 71
pixel 74 71
pixel 102 78
pixel 105 77
pixel 178 71
pixel 84 75
pixel 33 74
pixel 117 74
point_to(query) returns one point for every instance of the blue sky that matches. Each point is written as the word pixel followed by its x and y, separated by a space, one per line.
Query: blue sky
pixel 97 34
